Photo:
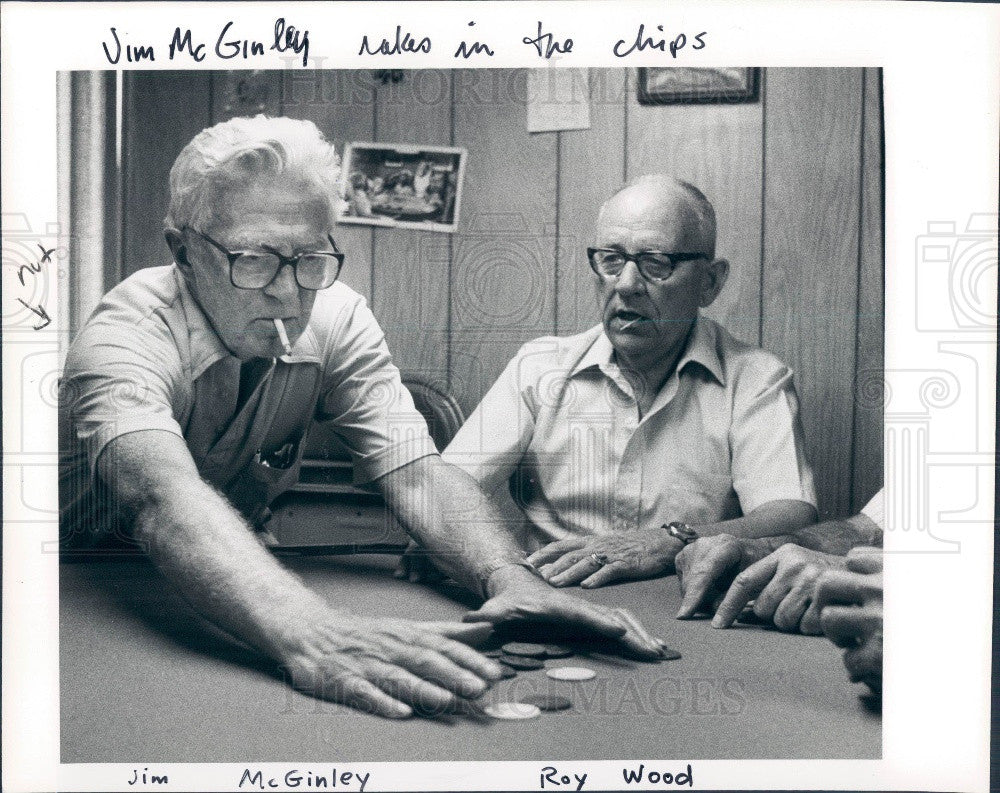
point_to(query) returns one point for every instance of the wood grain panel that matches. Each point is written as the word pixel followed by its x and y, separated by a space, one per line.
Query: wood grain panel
pixel 811 216
pixel 162 112
pixel 868 420
pixel 591 168
pixel 503 260
pixel 718 149
pixel 342 104
pixel 411 288
pixel 245 93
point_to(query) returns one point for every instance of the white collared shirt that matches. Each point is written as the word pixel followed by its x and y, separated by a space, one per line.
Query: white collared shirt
pixel 721 438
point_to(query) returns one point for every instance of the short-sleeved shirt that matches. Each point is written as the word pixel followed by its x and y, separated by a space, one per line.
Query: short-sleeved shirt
pixel 721 438
pixel 149 359
pixel 874 510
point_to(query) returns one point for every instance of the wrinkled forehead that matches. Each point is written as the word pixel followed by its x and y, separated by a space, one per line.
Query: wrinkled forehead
pixel 654 218
pixel 284 199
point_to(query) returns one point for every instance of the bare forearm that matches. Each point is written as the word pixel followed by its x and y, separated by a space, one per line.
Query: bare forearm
pixel 446 511
pixel 834 536
pixel 771 520
pixel 202 545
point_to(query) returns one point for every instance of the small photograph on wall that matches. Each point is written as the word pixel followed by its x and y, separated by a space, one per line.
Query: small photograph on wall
pixel 678 86
pixel 410 187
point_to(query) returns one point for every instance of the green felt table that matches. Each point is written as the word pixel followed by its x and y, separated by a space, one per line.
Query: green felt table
pixel 143 678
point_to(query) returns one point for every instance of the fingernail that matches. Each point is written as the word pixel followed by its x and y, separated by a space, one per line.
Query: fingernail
pixel 716 622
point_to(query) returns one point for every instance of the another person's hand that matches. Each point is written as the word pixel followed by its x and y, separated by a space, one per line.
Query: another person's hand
pixel 519 596
pixel 850 604
pixel 595 561
pixel 415 566
pixel 390 667
pixel 782 586
pixel 706 568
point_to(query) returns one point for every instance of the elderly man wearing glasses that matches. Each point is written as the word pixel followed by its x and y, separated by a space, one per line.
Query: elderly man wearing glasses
pixel 183 406
pixel 625 442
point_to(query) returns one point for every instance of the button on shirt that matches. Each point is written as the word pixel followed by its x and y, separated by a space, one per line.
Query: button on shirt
pixel 148 359
pixel 722 436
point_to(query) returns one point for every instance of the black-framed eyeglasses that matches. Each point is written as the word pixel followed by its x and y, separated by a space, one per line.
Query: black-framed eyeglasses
pixel 652 265
pixel 314 270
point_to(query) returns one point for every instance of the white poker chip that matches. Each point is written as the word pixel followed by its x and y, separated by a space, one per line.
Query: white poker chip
pixel 512 711
pixel 574 673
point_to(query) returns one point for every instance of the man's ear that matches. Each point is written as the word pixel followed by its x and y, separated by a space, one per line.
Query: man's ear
pixel 175 241
pixel 714 278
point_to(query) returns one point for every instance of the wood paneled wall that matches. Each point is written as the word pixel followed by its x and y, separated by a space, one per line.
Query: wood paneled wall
pixel 796 180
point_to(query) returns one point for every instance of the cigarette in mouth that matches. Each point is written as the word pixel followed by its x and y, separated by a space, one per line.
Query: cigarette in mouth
pixel 629 324
pixel 280 327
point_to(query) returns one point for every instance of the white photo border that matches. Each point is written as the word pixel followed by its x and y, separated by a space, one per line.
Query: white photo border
pixel 942 105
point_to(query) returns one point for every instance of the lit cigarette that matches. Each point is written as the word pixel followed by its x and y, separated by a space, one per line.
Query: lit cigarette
pixel 280 326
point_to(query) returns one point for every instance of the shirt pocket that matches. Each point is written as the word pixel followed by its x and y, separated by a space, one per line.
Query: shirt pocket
pixel 259 484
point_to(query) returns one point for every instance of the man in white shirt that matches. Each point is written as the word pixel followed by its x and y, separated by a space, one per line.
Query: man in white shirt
pixel 654 426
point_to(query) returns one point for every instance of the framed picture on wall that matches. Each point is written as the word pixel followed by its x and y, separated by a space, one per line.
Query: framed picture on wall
pixel 402 186
pixel 679 86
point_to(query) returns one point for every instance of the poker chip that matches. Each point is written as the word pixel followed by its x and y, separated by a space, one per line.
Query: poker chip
pixel 547 701
pixel 571 673
pixel 526 649
pixel 512 711
pixel 558 651
pixel 520 662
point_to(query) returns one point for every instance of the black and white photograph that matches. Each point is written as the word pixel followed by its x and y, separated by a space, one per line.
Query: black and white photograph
pixel 402 186
pixel 600 466
pixel 541 399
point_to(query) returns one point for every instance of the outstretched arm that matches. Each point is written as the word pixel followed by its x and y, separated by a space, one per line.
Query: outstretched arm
pixel 206 549
pixel 446 510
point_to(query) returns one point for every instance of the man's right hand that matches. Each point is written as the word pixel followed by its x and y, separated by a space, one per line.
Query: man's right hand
pixel 782 586
pixel 391 667
pixel 850 605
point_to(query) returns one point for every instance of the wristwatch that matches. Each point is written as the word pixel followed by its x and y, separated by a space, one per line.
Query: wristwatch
pixel 682 531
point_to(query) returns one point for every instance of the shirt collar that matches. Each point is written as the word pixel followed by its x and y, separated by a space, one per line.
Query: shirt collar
pixel 700 348
pixel 206 347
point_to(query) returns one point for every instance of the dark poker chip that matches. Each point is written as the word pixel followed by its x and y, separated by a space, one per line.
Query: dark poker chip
pixel 526 649
pixel 547 701
pixel 520 662
pixel 558 651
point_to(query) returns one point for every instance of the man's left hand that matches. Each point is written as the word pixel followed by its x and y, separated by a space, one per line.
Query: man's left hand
pixel 595 561
pixel 523 597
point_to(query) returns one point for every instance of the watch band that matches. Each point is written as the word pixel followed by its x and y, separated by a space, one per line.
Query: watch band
pixel 681 531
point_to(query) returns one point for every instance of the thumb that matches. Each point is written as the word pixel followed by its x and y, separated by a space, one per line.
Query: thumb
pixel 490 612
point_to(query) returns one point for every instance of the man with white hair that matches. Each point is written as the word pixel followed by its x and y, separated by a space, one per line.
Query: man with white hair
pixel 651 429
pixel 185 400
